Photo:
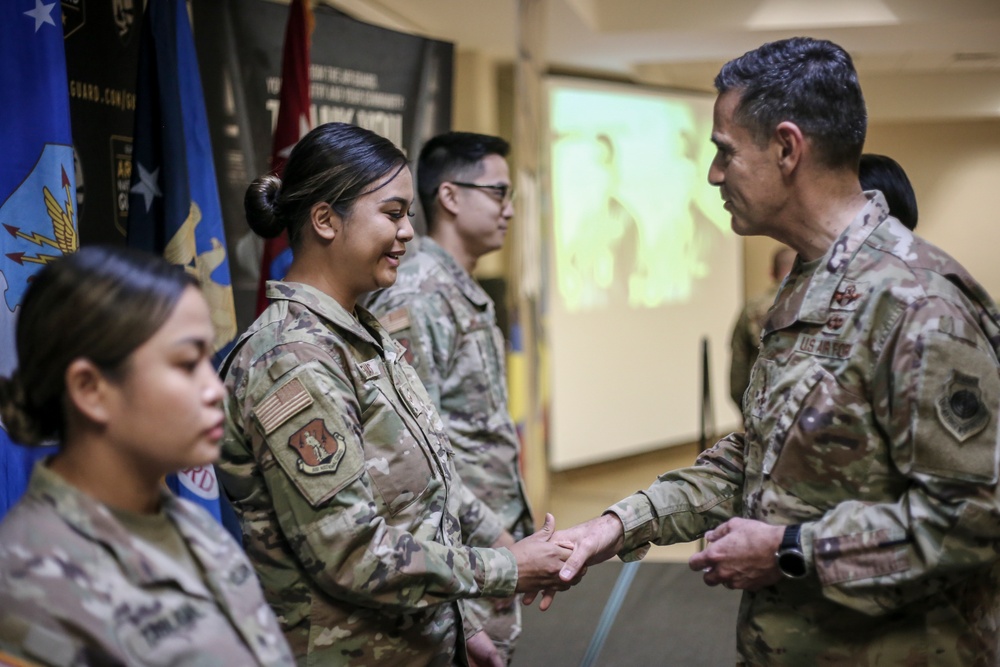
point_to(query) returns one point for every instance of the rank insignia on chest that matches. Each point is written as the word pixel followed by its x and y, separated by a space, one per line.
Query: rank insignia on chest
pixel 405 350
pixel 847 295
pixel 369 369
pixel 960 406
pixel 319 450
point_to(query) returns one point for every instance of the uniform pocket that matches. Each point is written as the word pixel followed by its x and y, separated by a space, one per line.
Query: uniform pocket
pixel 394 459
pixel 476 365
pixel 823 448
pixel 955 420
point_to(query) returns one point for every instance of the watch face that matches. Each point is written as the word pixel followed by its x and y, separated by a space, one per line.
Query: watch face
pixel 792 564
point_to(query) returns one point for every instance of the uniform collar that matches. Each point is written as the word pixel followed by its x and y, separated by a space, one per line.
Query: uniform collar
pixel 94 521
pixel 466 284
pixel 807 293
pixel 365 326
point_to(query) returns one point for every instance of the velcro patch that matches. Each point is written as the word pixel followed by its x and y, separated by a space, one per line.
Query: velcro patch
pixel 370 369
pixel 282 405
pixel 960 406
pixel 848 294
pixel 404 349
pixel 955 434
pixel 396 320
pixel 823 347
pixel 859 556
pixel 319 450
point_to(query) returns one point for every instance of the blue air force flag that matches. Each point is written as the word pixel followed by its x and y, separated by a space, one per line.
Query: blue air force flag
pixel 174 205
pixel 37 187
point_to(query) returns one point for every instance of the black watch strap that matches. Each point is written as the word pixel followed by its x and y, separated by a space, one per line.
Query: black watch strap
pixel 791 561
pixel 791 540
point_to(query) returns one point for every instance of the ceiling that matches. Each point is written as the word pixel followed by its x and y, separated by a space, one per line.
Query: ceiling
pixel 917 59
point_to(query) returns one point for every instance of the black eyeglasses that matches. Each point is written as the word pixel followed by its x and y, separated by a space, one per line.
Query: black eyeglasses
pixel 506 192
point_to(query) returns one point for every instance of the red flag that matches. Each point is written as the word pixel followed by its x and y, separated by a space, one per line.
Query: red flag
pixel 293 119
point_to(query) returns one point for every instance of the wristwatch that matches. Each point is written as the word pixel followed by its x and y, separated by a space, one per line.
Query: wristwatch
pixel 791 560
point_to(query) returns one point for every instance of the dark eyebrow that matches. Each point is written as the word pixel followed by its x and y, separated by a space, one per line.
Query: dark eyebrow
pixel 396 200
pixel 722 144
pixel 203 345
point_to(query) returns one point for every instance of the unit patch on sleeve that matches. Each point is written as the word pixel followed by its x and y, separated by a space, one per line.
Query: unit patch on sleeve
pixel 960 406
pixel 319 450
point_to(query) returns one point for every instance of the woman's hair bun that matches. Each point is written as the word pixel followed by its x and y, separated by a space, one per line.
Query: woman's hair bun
pixel 17 417
pixel 260 204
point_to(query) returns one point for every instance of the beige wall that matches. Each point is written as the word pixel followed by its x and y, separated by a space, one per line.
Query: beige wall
pixel 955 171
pixel 476 108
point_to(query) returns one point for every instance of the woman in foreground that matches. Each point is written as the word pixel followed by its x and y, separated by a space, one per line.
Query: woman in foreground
pixel 99 563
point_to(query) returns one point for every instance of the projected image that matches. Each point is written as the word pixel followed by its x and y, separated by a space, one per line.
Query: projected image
pixel 642 269
pixel 635 220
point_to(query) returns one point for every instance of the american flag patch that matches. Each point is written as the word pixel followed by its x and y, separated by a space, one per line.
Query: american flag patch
pixel 282 405
pixel 396 320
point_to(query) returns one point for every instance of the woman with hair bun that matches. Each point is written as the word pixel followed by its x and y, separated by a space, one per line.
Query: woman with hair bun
pixel 99 563
pixel 334 457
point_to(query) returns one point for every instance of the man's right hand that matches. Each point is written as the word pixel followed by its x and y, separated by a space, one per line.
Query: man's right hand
pixel 592 542
pixel 540 560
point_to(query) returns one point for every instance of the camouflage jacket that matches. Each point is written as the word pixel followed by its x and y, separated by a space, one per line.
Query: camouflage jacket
pixel 447 323
pixel 77 589
pixel 872 421
pixel 337 464
pixel 745 342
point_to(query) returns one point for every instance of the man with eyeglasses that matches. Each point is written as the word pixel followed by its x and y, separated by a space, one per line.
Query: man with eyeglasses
pixel 447 323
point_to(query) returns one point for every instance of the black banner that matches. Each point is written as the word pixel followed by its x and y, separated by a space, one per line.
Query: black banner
pixel 397 85
pixel 102 49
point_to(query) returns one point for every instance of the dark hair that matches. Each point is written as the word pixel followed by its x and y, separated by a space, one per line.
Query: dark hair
pixel 100 303
pixel 452 155
pixel 335 163
pixel 880 172
pixel 809 82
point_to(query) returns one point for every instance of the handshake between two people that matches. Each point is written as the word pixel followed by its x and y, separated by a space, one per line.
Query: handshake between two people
pixel 549 561
pixel 740 554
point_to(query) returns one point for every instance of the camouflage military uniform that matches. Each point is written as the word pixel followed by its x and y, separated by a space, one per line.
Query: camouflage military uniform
pixel 871 420
pixel 337 463
pixel 447 323
pixel 76 588
pixel 745 342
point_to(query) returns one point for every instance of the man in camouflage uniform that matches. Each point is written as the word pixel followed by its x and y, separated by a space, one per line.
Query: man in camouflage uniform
pixel 78 588
pixel 447 323
pixel 745 340
pixel 860 509
pixel 337 463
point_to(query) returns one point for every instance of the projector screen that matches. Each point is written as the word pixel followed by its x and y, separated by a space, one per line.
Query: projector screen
pixel 642 266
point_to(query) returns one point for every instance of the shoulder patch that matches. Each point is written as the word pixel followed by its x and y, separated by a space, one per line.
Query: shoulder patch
pixel 955 429
pixel 396 320
pixel 282 405
pixel 319 450
pixel 960 407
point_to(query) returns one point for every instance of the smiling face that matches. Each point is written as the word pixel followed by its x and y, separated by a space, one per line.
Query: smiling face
pixel 745 172
pixel 164 412
pixel 483 218
pixel 371 239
